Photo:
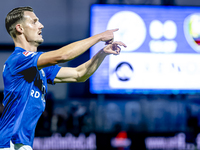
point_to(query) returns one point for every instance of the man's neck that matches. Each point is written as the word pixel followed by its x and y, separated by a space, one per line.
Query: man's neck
pixel 25 45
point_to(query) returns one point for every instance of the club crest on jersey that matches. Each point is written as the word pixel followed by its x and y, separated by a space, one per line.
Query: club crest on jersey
pixel 27 53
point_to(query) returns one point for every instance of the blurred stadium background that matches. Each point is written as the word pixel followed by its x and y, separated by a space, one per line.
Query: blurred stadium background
pixel 75 118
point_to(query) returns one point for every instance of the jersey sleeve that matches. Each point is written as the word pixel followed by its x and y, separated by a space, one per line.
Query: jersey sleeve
pixel 25 60
pixel 51 73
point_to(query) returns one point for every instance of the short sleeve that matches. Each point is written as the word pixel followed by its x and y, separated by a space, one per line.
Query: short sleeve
pixel 25 60
pixel 51 73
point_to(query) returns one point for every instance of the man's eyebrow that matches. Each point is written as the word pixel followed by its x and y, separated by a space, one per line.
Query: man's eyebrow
pixel 36 19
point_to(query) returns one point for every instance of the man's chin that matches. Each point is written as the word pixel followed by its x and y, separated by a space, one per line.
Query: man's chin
pixel 39 42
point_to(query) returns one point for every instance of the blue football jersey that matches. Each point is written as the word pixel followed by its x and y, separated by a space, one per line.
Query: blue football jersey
pixel 24 96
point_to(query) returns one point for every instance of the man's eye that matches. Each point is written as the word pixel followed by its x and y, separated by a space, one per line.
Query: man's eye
pixel 34 22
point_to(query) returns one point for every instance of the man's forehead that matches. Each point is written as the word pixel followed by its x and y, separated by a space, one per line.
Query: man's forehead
pixel 30 15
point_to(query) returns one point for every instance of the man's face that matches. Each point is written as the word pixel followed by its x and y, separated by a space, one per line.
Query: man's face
pixel 32 28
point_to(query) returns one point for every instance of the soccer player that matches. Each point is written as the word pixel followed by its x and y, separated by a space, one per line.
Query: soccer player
pixel 27 72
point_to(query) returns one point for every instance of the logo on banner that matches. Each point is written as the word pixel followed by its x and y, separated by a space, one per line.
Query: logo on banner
pixel 132 29
pixel 121 140
pixel 124 71
pixel 166 30
pixel 192 31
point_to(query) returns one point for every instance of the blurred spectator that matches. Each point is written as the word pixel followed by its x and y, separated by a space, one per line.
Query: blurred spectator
pixel 192 124
pixel 59 121
pixel 75 121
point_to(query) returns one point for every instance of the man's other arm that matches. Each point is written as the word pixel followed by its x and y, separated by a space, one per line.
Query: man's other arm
pixel 73 50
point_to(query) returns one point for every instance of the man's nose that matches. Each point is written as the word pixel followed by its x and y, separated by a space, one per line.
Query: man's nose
pixel 41 26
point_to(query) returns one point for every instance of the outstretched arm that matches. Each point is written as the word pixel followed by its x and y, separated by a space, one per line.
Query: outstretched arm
pixel 84 71
pixel 73 50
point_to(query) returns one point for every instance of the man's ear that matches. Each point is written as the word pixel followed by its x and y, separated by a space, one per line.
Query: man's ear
pixel 19 28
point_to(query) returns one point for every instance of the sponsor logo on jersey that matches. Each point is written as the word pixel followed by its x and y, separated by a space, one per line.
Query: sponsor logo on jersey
pixel 26 53
pixel 33 54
